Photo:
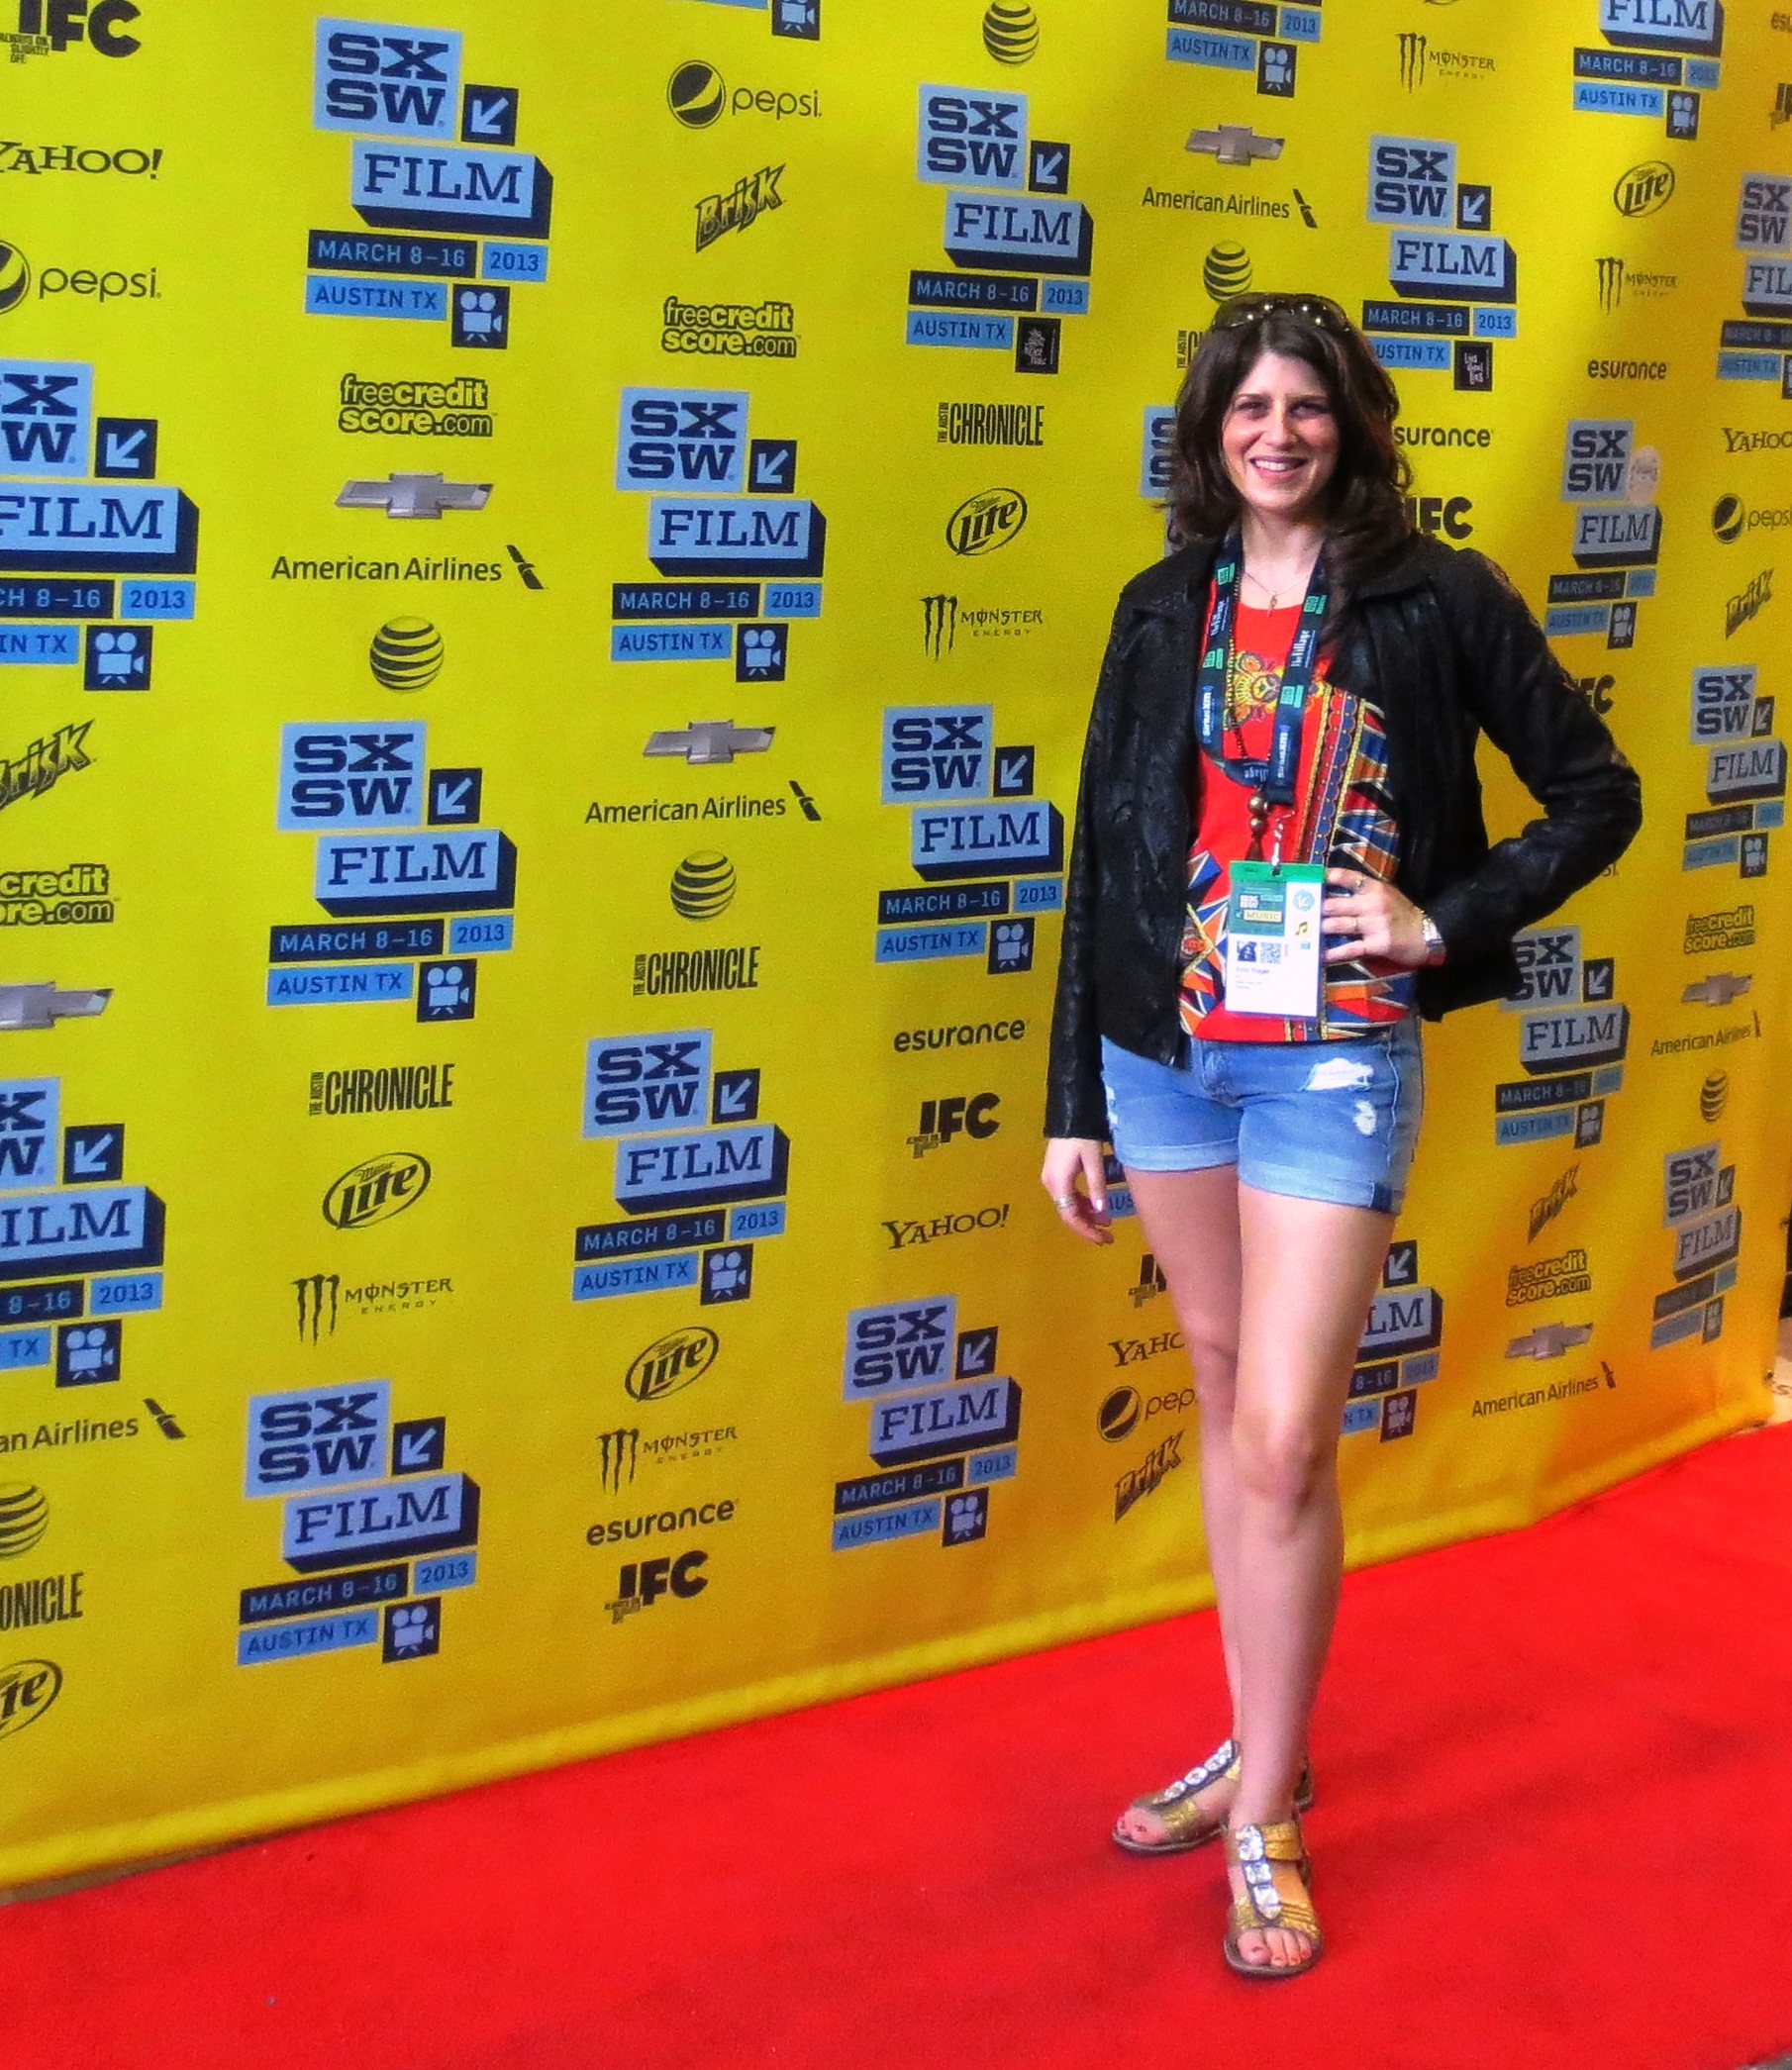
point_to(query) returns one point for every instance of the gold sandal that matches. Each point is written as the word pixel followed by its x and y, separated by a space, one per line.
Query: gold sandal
pixel 1254 1849
pixel 1186 1825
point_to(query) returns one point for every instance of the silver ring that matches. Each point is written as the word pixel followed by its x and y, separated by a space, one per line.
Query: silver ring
pixel 1064 1200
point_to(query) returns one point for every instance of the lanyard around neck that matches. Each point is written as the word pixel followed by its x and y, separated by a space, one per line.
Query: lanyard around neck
pixel 1273 780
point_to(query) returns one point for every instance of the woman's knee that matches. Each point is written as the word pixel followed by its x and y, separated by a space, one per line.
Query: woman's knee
pixel 1284 1461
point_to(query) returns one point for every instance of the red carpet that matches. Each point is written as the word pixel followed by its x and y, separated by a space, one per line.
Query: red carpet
pixel 1549 1833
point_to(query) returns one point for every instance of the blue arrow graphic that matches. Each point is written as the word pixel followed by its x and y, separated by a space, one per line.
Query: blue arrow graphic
pixel 451 798
pixel 90 1158
pixel 122 448
pixel 487 117
pixel 417 1450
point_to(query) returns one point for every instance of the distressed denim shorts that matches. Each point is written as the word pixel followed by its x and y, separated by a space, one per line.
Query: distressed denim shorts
pixel 1321 1121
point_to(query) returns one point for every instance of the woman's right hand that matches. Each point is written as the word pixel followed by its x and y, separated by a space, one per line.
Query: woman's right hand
pixel 1068 1158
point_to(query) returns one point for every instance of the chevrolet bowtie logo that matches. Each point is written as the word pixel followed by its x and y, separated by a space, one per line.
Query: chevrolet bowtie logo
pixel 711 741
pixel 1718 989
pixel 43 1006
pixel 413 495
pixel 1234 145
pixel 1550 1341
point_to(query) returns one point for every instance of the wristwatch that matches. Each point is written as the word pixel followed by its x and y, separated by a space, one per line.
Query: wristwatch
pixel 1434 942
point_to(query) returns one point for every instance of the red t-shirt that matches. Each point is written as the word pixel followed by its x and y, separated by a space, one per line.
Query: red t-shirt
pixel 1340 817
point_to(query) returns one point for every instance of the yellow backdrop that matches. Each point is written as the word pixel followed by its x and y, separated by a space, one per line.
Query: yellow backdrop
pixel 553 564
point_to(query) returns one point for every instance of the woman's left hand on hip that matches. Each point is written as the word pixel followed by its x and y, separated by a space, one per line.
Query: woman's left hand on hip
pixel 1379 920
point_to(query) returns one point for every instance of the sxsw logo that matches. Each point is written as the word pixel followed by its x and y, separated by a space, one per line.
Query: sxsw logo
pixel 1596 461
pixel 30 1113
pixel 636 1082
pixel 900 1344
pixel 1724 705
pixel 1693 1184
pixel 698 536
pixel 1549 967
pixel 382 76
pixel 370 774
pixel 317 1437
pixel 46 416
pixel 937 752
pixel 1763 219
pixel 972 134
pixel 681 438
pixel 1411 180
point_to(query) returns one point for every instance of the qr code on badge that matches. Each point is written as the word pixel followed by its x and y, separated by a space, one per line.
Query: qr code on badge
pixel 1259 951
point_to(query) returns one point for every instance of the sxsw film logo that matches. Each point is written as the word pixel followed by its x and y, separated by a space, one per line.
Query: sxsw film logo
pixel 937 752
pixel 369 775
pixel 900 1344
pixel 972 135
pixel 46 416
pixel 317 1437
pixel 380 77
pixel 682 438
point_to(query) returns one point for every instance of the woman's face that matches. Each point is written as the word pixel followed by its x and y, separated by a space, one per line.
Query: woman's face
pixel 1280 439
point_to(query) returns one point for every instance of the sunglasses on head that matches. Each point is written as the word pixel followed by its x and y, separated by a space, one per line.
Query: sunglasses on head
pixel 1252 309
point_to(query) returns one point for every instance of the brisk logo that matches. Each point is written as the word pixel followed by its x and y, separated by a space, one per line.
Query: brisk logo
pixel 385 78
pixel 641 1583
pixel 681 438
pixel 972 135
pixel 899 1346
pixel 743 204
pixel 634 1082
pixel 937 752
pixel 942 1120
pixel 1411 180
pixel 46 416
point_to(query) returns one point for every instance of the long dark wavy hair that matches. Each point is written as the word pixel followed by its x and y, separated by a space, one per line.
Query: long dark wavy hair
pixel 1365 499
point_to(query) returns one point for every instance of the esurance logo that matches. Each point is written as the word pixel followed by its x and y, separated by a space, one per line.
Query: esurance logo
pixel 681 438
pixel 972 135
pixel 387 79
pixel 376 1190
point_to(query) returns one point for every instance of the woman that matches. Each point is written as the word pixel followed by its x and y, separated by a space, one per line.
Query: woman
pixel 1287 713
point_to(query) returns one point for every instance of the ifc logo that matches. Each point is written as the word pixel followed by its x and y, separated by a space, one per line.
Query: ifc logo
pixel 672 1362
pixel 1011 35
pixel 15 278
pixel 696 94
pixel 24 1518
pixel 407 655
pixel 1726 515
pixel 1226 271
pixel 703 886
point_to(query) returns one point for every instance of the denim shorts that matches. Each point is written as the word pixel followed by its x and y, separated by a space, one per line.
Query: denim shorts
pixel 1321 1121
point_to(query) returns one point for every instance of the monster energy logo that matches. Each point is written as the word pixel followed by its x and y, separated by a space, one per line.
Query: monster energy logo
pixel 316 1294
pixel 1611 283
pixel 1411 59
pixel 616 1451
pixel 940 625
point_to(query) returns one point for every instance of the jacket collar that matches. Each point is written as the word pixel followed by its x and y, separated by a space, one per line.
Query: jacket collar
pixel 1176 585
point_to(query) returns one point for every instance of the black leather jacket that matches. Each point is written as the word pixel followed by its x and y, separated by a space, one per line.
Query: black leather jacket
pixel 1445 648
